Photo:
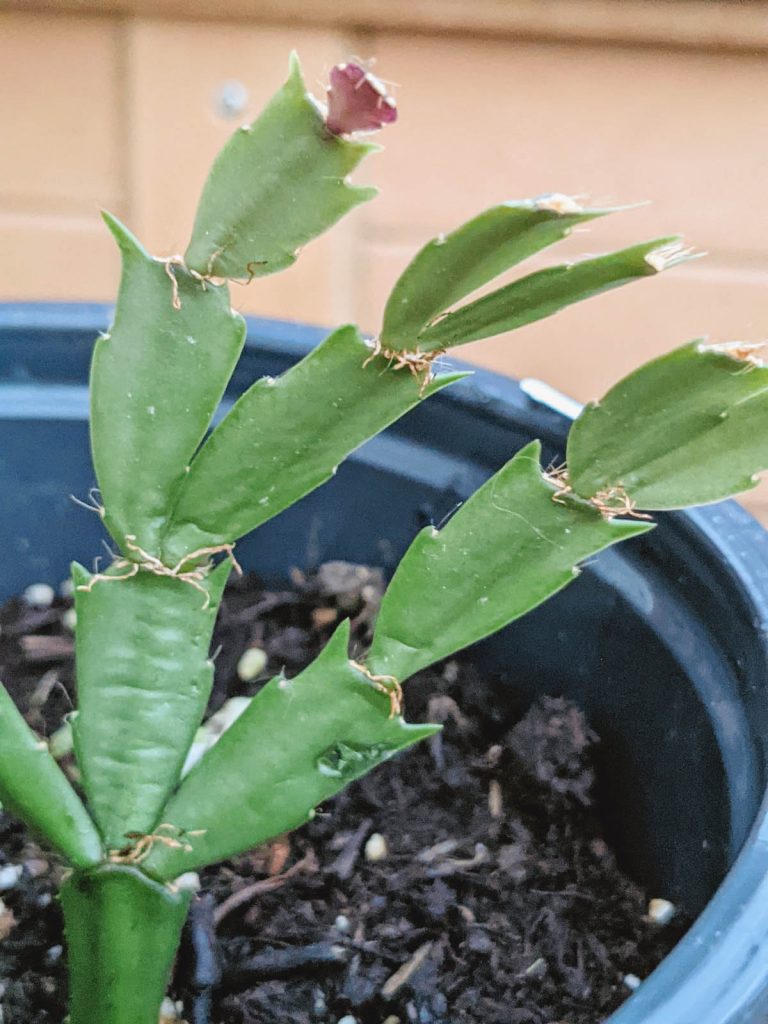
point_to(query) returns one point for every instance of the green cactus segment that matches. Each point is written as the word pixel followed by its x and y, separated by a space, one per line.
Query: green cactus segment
pixel 276 185
pixel 300 742
pixel 452 266
pixel 143 681
pixel 507 549
pixel 34 789
pixel 686 429
pixel 122 932
pixel 156 380
pixel 286 436
pixel 544 293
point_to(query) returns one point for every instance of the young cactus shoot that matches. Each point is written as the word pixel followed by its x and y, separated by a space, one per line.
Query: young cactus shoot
pixel 685 429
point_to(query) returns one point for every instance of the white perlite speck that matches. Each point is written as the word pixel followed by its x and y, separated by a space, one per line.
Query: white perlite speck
pixel 39 595
pixel 251 664
pixel 9 876
pixel 376 848
pixel 661 911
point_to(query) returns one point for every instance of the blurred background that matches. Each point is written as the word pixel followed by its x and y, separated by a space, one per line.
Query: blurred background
pixel 123 104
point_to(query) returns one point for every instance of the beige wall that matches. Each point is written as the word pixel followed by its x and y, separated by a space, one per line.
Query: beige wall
pixel 120 110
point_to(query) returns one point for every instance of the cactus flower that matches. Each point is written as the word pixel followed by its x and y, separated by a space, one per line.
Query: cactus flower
pixel 357 101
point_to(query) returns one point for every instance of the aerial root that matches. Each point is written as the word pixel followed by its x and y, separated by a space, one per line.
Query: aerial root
pixel 102 577
pixel 140 844
pixel 612 502
pixel 558 477
pixel 212 259
pixel 419 364
pixel 169 262
pixel 92 505
pixel 151 563
pixel 390 686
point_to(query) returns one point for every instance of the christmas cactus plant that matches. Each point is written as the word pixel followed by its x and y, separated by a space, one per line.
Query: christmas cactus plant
pixel 685 429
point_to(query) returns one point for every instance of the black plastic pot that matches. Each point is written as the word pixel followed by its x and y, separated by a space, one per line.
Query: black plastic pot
pixel 663 641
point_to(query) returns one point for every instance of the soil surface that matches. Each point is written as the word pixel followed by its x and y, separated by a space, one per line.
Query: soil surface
pixel 466 881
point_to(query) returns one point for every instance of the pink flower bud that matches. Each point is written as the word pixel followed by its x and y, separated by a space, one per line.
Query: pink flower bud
pixel 357 101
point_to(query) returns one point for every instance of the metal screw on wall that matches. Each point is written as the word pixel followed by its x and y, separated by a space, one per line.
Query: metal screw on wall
pixel 231 99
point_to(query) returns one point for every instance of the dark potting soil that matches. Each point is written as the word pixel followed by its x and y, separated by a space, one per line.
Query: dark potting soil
pixel 465 881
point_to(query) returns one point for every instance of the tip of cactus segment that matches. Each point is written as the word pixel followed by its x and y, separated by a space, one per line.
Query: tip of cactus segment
pixel 754 354
pixel 670 255
pixel 125 239
pixel 357 101
pixel 564 205
pixel 558 202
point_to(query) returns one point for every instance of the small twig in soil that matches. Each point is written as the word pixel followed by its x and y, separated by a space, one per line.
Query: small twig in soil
pixel 404 974
pixel 279 963
pixel 344 865
pixel 30 620
pixel 262 607
pixel 200 965
pixel 436 751
pixel 456 865
pixel 279 852
pixel 564 892
pixel 47 648
pixel 441 708
pixel 202 935
pixel 264 885
pixel 437 852
pixel 39 696
pixel 201 1007
pixel 495 799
